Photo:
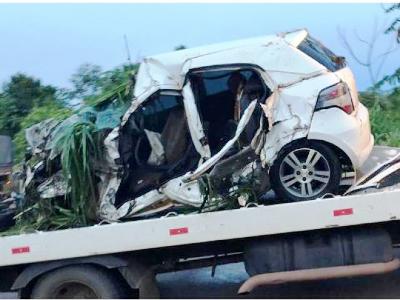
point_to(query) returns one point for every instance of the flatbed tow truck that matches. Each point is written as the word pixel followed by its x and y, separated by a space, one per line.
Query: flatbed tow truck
pixel 122 259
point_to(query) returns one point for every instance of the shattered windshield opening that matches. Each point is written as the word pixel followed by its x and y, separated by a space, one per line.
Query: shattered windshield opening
pixel 321 54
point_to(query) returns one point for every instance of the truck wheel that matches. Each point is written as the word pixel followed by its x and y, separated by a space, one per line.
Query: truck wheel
pixel 77 282
pixel 305 171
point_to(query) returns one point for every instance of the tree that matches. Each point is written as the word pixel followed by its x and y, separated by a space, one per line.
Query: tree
pixel 86 81
pixel 90 83
pixel 367 55
pixel 395 25
pixel 19 96
pixel 393 79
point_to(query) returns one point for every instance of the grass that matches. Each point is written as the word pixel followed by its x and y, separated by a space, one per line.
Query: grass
pixel 80 150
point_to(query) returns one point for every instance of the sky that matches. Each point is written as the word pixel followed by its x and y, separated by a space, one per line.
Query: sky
pixel 50 41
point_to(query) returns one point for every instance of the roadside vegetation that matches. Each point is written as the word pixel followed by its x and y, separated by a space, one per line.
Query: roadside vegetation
pixel 384 109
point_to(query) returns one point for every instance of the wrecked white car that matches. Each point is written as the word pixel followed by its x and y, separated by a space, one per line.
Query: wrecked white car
pixel 217 126
pixel 283 105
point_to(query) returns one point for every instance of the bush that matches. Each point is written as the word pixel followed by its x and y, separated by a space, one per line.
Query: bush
pixel 384 117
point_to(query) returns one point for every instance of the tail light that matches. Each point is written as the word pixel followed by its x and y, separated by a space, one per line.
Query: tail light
pixel 337 95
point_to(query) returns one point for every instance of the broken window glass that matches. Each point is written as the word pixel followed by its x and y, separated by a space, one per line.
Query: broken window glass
pixel 321 54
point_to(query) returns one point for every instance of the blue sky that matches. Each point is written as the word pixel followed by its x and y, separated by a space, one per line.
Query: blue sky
pixel 50 41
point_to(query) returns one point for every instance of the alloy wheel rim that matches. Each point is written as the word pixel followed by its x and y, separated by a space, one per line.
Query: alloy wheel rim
pixel 304 172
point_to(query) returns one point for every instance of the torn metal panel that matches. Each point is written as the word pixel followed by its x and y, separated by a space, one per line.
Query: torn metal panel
pixel 290 111
pixel 55 186
pixel 385 176
pixel 288 120
pixel 194 123
pixel 108 189
pixel 37 135
pixel 213 160
pixel 132 207
pixel 183 189
pixel 183 192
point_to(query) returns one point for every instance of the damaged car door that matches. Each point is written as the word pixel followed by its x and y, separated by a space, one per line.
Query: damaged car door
pixel 155 145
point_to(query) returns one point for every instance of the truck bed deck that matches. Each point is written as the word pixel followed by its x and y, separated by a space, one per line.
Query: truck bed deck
pixel 206 227
pixel 178 230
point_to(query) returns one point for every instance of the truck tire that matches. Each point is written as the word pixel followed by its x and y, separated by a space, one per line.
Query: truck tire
pixel 77 282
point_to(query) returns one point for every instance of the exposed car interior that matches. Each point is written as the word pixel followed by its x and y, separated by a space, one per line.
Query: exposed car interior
pixel 222 97
pixel 157 147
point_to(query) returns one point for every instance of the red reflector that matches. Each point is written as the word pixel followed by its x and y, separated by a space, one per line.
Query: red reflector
pixel 342 212
pixel 176 231
pixel 20 250
pixel 348 108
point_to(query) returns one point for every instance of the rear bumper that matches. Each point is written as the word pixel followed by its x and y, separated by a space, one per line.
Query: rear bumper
pixel 351 133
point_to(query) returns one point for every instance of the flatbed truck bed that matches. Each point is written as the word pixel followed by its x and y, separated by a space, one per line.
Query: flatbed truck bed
pixel 200 228
pixel 178 241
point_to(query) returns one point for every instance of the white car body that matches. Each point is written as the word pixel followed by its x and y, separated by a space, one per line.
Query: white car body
pixel 295 81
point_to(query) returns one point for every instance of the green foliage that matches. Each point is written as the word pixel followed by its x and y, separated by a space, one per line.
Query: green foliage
pixel 86 81
pixel 81 148
pixel 395 24
pixel 384 107
pixel 93 86
pixel 46 214
pixel 18 98
pixel 392 79
pixel 384 117
pixel 106 96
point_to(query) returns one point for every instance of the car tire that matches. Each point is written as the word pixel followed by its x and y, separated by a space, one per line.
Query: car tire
pixel 305 171
pixel 77 282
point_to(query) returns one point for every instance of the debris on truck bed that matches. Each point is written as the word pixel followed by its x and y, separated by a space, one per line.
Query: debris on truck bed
pixel 384 177
pixel 198 130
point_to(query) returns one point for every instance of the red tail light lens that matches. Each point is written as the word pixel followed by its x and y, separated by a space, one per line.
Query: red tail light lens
pixel 336 96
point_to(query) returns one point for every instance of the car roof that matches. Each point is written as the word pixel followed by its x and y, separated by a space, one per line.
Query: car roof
pixel 180 56
pixel 276 53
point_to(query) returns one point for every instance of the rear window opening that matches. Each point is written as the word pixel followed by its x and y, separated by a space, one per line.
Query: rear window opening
pixel 317 51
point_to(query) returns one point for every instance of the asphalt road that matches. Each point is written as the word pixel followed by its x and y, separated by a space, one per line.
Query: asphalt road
pixel 199 283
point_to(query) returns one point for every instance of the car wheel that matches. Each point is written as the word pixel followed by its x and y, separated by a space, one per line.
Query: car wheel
pixel 305 171
pixel 77 282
